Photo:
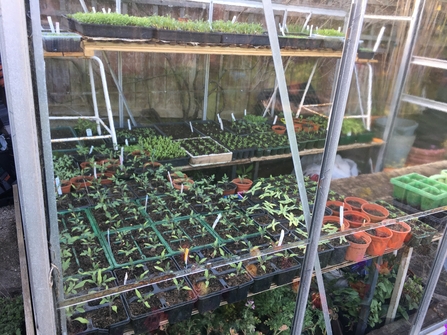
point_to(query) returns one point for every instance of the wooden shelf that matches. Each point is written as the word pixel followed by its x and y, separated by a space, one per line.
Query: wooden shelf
pixel 100 44
pixel 284 156
pixel 47 54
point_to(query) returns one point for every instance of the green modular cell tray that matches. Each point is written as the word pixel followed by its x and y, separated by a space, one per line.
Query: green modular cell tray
pixel 399 190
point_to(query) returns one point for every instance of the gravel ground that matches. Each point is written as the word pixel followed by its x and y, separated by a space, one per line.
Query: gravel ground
pixel 10 283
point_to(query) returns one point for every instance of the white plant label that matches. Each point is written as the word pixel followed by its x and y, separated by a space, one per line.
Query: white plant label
pixel 93 9
pixel 275 119
pixel 50 22
pixel 128 124
pixel 122 156
pixel 94 171
pixel 221 125
pixel 281 238
pixel 125 278
pixel 232 116
pixel 169 177
pixel 89 132
pixel 104 11
pixel 342 227
pixel 58 29
pixel 127 142
pixel 311 28
pixel 218 118
pixel 91 150
pixel 181 188
pixel 145 203
pixel 245 112
pixel 190 125
pixel 234 19
pixel 109 11
pixel 339 29
pixel 58 186
pixel 217 220
pixel 108 236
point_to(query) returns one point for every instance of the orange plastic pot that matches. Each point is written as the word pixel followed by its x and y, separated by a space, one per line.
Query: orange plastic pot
pixel 105 178
pixel 375 212
pixel 355 203
pixel 243 184
pixel 356 251
pixel 379 243
pixel 81 181
pixel 279 129
pixel 356 219
pixel 66 186
pixel 335 207
pixel 398 238
pixel 178 182
pixel 336 220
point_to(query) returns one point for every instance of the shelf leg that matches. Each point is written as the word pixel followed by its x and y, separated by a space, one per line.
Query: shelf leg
pixel 399 284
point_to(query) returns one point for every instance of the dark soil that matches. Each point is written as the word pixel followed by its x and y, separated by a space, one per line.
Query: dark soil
pixel 354 218
pixel 374 232
pixel 374 212
pixel 354 204
pixel 353 239
pixel 263 220
pixel 397 227
pixel 177 130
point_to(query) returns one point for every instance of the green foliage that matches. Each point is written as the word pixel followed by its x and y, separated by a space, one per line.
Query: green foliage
pixel 353 126
pixel 83 124
pixel 11 316
pixel 330 32
pixel 237 27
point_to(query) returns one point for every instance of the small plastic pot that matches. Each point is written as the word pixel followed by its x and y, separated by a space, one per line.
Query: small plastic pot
pixel 356 251
pixel 379 243
pixel 398 238
pixel 336 219
pixel 332 204
pixel 279 129
pixel 356 219
pixel 375 212
pixel 355 203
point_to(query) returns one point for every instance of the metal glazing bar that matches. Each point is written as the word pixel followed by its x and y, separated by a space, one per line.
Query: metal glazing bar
pixel 433 277
pixel 207 84
pixel 294 9
pixel 94 100
pixel 120 90
pixel 23 114
pixel 430 62
pixel 424 102
pixel 84 7
pixel 432 328
pixel 210 12
pixel 387 17
pixel 70 139
pixel 369 101
pixel 401 78
pixel 284 95
pixel 344 78
pixel 359 93
pixel 303 98
pixel 118 6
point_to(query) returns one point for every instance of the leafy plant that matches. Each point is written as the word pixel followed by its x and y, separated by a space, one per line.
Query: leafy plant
pixel 352 126
pixel 12 318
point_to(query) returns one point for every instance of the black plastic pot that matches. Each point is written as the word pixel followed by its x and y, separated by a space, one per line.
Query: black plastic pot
pixel 188 36
pixel 338 254
pixel 286 275
pixel 98 30
pixel 255 40
pixel 238 294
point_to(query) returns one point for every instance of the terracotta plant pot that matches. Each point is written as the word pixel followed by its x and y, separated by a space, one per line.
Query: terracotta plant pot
pixel 399 234
pixel 356 251
pixel 151 165
pixel 336 220
pixel 231 189
pixel 355 203
pixel 356 219
pixel 243 184
pixel 279 129
pixel 379 242
pixel 186 182
pixel 82 181
pixel 335 207
pixel 375 212
pixel 66 186
pixel 105 178
pixel 175 175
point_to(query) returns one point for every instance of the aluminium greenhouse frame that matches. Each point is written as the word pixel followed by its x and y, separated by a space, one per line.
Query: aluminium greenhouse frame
pixel 19 72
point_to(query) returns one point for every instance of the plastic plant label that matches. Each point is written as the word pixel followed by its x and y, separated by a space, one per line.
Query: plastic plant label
pixel 108 236
pixel 216 221
pixel 245 112
pixel 58 186
pixel 234 19
pixel 170 178
pixel 145 203
pixel 91 150
pixel 89 132
pixel 58 29
pixel 126 142
pixel 281 238
pixel 181 188
pixel 50 22
pixel 94 171
pixel 104 11
pixel 275 119
pixel 125 279
pixel 185 257
pixel 129 125
pixel 233 117
pixel 342 226
pixel 93 9
pixel 190 125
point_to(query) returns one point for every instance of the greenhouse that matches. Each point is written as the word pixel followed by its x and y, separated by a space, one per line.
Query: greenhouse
pixel 223 167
